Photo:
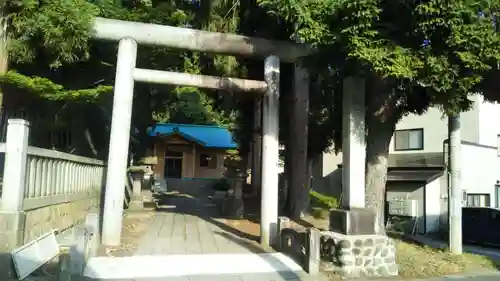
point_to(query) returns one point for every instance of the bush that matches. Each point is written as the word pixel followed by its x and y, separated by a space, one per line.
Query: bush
pixel 222 185
pixel 322 201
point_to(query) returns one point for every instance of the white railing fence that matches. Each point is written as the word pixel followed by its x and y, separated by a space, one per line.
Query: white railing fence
pixel 35 177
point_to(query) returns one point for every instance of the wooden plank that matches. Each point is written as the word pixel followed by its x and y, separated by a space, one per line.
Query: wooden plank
pixel 34 254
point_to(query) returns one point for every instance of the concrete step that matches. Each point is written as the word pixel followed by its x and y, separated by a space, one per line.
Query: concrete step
pixel 277 276
pixel 188 266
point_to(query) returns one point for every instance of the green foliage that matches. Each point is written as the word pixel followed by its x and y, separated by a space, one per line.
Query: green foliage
pixel 53 57
pixel 423 53
pixel 322 201
pixel 57 30
pixel 445 45
pixel 47 89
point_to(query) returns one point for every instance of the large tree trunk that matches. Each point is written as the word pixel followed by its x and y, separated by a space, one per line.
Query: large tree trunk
pixel 4 56
pixel 382 117
pixel 298 186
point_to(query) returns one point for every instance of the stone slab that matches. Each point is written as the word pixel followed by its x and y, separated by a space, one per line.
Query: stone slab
pixel 353 221
pixel 186 265
pixel 33 255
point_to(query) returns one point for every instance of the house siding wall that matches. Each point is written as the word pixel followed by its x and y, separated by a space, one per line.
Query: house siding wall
pixel 435 126
pixel 488 125
pixel 190 159
pixel 432 206
pixel 480 168
pixel 327 177
pixel 479 125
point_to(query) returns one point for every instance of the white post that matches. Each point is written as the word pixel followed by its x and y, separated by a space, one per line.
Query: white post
pixel 119 142
pixel 353 143
pixel 455 198
pixel 270 152
pixel 16 153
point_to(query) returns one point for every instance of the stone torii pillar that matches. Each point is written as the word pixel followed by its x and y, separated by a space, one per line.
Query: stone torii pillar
pixel 353 218
pixel 119 141
pixel 354 226
pixel 270 153
pixel 353 143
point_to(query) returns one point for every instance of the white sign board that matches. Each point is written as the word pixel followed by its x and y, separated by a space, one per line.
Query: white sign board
pixel 408 208
pixel 33 255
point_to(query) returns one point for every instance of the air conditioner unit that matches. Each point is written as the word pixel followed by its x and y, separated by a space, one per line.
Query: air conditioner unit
pixel 407 208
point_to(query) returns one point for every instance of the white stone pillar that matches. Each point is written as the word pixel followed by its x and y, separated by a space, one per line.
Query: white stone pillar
pixel 353 143
pixel 16 154
pixel 270 152
pixel 119 142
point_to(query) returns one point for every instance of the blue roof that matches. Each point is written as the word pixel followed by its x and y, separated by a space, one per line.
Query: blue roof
pixel 204 135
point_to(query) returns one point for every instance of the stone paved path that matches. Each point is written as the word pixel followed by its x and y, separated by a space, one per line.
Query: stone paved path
pixel 173 233
pixel 186 242
pixel 186 223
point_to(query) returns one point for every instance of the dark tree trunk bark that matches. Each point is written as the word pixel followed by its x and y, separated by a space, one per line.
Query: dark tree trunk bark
pixel 298 191
pixel 382 117
pixel 4 55
pixel 284 195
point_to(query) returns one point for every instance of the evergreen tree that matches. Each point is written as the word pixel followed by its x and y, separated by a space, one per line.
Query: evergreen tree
pixel 414 54
pixel 50 45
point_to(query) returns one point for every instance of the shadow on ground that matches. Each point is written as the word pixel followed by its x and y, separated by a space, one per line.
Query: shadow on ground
pixel 197 202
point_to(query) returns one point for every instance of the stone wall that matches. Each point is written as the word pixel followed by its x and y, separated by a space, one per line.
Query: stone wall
pixel 18 228
pixel 61 216
pixel 358 255
pixel 349 256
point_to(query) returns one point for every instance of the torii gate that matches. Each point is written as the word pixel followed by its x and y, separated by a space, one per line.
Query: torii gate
pixel 129 34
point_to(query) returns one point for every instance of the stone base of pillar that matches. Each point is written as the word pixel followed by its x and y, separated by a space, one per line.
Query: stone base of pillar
pixel 136 204
pixel 353 221
pixel 11 230
pixel 359 250
pixel 11 237
pixel 365 256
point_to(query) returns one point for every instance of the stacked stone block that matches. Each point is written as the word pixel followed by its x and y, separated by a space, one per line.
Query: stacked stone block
pixel 366 256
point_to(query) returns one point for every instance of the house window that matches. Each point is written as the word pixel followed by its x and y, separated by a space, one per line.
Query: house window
pixel 174 154
pixel 208 161
pixel 478 200
pixel 412 139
